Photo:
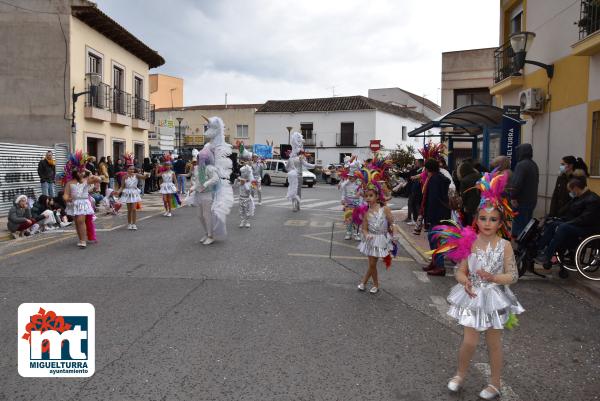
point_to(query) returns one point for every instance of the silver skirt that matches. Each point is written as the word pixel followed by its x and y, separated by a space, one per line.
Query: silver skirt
pixel 379 246
pixel 130 195
pixel 488 310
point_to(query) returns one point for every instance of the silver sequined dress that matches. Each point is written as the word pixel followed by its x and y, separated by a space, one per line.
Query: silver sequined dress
pixel 80 204
pixel 380 243
pixel 131 192
pixel 493 303
pixel 167 186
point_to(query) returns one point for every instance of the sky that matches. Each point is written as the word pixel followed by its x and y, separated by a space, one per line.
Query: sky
pixel 259 50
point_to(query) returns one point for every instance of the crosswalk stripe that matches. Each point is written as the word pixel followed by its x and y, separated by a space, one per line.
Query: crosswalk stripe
pixel 302 202
pixel 312 205
pixel 338 208
pixel 273 200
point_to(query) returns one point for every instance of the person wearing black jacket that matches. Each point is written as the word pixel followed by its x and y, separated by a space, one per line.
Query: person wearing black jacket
pixel 579 218
pixel 470 196
pixel 437 209
pixel 47 173
pixel 524 188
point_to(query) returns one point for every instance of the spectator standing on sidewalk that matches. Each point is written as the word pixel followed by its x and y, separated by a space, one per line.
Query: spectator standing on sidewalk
pixel 47 173
pixel 415 194
pixel 436 209
pixel 470 196
pixel 91 165
pixel 179 169
pixel 119 167
pixel 111 172
pixel 524 188
pixel 147 170
pixel 104 176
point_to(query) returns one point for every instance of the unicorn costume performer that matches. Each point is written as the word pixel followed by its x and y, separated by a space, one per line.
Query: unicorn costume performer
pixel 294 167
pixel 213 192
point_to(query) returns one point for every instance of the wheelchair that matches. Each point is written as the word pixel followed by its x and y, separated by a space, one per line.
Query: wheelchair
pixel 583 256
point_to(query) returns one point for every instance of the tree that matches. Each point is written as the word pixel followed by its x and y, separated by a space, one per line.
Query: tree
pixel 403 156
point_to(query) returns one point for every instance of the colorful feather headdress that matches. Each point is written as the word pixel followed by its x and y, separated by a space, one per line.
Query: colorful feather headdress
pixel 454 240
pixel 432 150
pixel 76 161
pixel 128 159
pixel 492 186
pixel 372 180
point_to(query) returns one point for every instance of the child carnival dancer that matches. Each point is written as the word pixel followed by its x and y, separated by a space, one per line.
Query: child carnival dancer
pixel 351 197
pixel 295 164
pixel 245 182
pixel 257 171
pixel 482 301
pixel 168 188
pixel 77 182
pixel 376 223
pixel 212 190
pixel 130 193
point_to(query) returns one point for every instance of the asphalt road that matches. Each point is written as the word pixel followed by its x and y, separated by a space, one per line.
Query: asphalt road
pixel 268 315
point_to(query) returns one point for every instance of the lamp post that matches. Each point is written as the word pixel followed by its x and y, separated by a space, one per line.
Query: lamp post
pixel 289 133
pixel 521 43
pixel 179 119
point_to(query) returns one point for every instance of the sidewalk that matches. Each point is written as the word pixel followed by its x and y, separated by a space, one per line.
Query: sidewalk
pixel 420 246
pixel 152 203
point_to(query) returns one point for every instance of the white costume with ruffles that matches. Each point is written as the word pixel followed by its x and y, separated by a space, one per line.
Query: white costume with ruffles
pixel 131 192
pixel 493 302
pixel 167 186
pixel 294 167
pixel 80 204
pixel 380 244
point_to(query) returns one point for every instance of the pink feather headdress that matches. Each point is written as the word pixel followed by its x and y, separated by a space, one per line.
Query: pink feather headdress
pixel 454 240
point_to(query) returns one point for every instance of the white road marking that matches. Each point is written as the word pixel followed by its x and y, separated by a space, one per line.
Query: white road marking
pixel 507 393
pixel 273 200
pixel 289 203
pixel 422 276
pixel 337 208
pixel 321 204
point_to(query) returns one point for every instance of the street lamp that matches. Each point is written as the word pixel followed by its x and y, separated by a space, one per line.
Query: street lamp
pixel 289 133
pixel 179 119
pixel 520 43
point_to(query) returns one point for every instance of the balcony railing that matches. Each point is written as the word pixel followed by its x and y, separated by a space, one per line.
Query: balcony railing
pixel 142 109
pixel 98 95
pixel 121 102
pixel 589 18
pixel 345 140
pixel 504 60
pixel 152 114
pixel 310 140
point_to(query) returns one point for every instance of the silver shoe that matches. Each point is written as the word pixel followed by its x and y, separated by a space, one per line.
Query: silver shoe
pixel 455 384
pixel 489 395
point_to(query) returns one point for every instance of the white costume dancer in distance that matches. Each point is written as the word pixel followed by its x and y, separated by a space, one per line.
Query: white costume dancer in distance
pixel 214 169
pixel 257 172
pixel 244 183
pixel 295 164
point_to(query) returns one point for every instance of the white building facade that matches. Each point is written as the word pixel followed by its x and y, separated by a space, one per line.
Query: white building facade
pixel 338 126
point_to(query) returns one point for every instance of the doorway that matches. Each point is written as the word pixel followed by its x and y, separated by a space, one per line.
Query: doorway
pixel 138 152
pixel 118 150
pixel 94 147
pixel 347 135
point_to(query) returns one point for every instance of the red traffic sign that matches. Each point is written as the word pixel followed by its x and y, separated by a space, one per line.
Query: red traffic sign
pixel 375 144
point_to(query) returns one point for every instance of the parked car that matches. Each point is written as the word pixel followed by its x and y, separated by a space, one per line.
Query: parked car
pixel 275 172
pixel 331 174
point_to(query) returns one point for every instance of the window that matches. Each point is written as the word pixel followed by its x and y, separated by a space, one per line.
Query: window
pixel 119 100
pixel 467 97
pixel 307 132
pixel 242 131
pixel 118 78
pixel 516 19
pixel 94 63
pixel 281 167
pixel 138 87
pixel 404 133
pixel 595 160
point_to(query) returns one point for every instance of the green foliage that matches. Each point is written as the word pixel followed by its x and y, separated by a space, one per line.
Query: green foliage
pixel 403 156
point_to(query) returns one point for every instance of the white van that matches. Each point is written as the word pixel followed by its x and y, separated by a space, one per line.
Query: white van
pixel 276 173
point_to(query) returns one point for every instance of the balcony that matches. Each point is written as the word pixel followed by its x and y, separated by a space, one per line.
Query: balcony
pixel 589 29
pixel 97 100
pixel 121 107
pixel 346 140
pixel 310 141
pixel 506 75
pixel 142 114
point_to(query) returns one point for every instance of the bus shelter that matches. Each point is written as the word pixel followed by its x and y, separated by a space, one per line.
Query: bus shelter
pixel 491 131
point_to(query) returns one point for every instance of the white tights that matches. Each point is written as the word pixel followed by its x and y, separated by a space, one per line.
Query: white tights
pixel 205 216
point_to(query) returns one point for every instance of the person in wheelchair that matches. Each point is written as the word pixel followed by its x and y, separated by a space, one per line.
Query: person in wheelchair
pixel 580 217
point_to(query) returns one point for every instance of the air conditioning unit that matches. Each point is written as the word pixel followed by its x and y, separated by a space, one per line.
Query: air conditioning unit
pixel 531 100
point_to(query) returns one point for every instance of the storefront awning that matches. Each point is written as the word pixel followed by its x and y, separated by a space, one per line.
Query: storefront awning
pixel 467 121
